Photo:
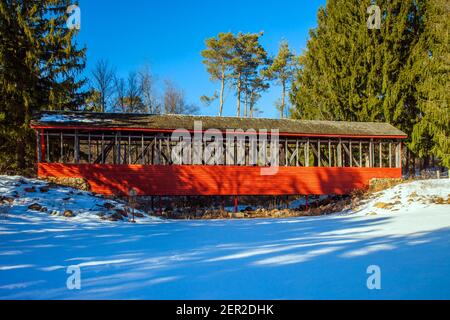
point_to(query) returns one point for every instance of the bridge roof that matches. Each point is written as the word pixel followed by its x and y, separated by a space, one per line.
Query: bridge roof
pixel 168 122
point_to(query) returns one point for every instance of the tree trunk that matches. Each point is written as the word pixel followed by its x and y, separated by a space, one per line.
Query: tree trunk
pixel 222 89
pixel 239 97
pixel 283 100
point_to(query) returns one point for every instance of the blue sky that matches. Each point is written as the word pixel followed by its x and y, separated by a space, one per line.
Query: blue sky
pixel 169 36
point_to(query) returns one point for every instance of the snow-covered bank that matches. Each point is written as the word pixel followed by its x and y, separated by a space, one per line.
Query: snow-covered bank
pixel 303 258
pixel 35 199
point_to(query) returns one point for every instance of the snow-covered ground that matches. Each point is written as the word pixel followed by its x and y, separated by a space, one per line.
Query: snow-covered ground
pixel 327 257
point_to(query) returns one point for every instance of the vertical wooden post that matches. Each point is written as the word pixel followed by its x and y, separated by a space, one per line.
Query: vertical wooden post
pixel 381 154
pixel 351 153
pixel 103 148
pixel 286 156
pixel 371 153
pixel 77 147
pixel 397 155
pixel 39 147
pixel 339 153
pixel 236 204
pixel 47 147
pixel 307 202
pixel 319 155
pixel 116 149
pixel 390 154
pixel 329 153
pixel 142 150
pixel 61 155
pixel 360 155
pixel 43 147
pixel 89 147
pixel 297 162
pixel 307 153
pixel 129 148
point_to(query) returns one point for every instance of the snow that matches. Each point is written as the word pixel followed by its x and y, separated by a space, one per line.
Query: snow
pixel 68 118
pixel 84 205
pixel 299 258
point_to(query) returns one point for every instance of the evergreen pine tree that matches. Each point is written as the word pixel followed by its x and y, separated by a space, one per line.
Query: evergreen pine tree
pixel 431 134
pixel 39 69
pixel 282 70
pixel 349 72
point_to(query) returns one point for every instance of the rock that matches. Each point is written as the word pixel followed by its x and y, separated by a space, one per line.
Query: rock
pixel 122 212
pixel 54 213
pixel 44 189
pixel 138 215
pixel 383 205
pixel 67 198
pixel 77 183
pixel 43 209
pixel 109 205
pixel 238 215
pixel 68 214
pixel 6 200
pixel 30 190
pixel 115 217
pixel 35 207
pixel 248 209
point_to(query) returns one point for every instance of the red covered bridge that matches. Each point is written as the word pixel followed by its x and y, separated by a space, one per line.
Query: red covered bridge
pixel 117 152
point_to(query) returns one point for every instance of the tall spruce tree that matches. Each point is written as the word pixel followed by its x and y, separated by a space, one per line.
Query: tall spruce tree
pixel 349 72
pixel 431 134
pixel 39 69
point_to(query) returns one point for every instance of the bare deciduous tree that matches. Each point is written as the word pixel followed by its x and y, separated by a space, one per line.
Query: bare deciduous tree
pixel 103 76
pixel 148 91
pixel 175 101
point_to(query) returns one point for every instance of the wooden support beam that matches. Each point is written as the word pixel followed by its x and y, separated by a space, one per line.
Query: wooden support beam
pixel 390 154
pixel 319 163
pixel 329 153
pixel 61 154
pixel 102 149
pixel 307 153
pixel 47 148
pixel 286 154
pixel 39 147
pixel 129 150
pixel 381 154
pixel 89 147
pixel 339 153
pixel 360 155
pixel 397 155
pixel 77 147
pixel 294 154
pixel 142 150
pixel 116 148
pixel 350 154
pixel 314 151
pixel 169 151
pixel 371 152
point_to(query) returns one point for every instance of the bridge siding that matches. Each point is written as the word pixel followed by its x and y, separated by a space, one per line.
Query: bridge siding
pixel 217 180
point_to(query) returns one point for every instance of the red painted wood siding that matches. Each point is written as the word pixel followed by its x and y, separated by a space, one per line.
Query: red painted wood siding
pixel 217 180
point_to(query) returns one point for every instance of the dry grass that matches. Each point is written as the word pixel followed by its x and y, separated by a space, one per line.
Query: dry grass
pixel 377 185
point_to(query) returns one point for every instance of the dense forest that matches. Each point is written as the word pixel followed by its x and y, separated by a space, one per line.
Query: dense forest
pixel 397 73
